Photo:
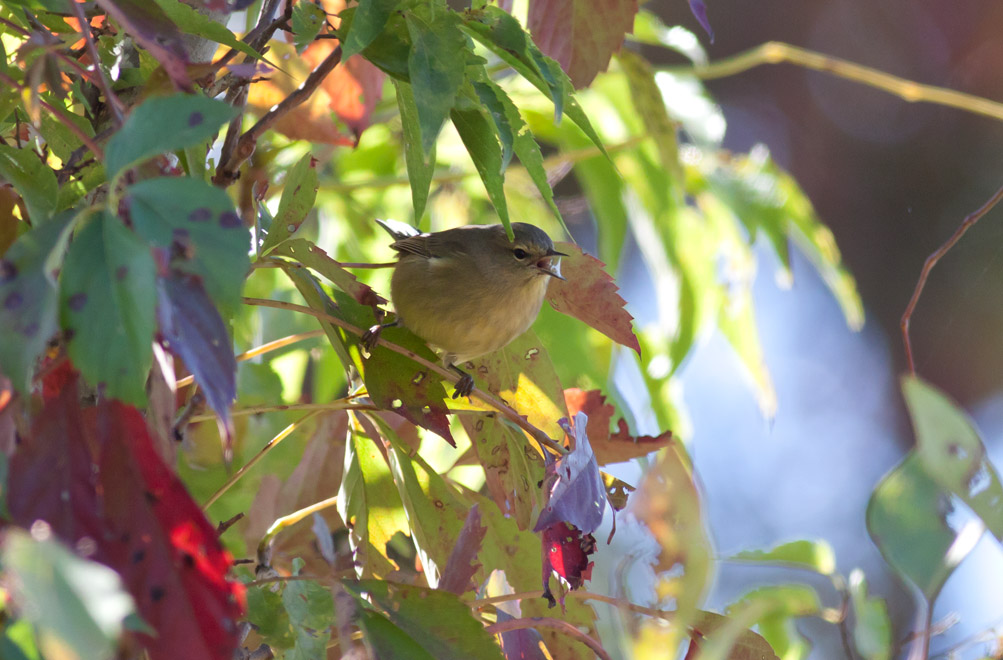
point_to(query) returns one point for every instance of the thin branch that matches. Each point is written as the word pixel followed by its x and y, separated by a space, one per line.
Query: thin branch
pixel 226 173
pixel 264 551
pixel 451 376
pixel 61 115
pixel 271 444
pixel 931 261
pixel 103 82
pixel 261 350
pixel 775 52
pixel 548 622
pixel 340 404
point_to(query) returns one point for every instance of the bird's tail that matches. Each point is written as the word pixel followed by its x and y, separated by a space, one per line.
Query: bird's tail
pixel 397 229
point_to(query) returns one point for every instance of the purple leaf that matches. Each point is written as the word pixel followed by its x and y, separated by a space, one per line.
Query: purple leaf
pixel 460 566
pixel 699 10
pixel 576 492
pixel 196 333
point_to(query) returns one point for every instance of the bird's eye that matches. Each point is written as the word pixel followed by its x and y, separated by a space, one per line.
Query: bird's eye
pixel 520 253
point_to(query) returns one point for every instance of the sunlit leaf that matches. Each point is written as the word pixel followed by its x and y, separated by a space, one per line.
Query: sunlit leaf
pixel 814 555
pixel 298 195
pixel 952 452
pixel 32 179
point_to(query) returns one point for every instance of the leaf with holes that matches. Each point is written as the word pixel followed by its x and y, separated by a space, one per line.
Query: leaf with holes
pixel 297 200
pixel 28 298
pixel 307 21
pixel 952 452
pixel 107 301
pixel 611 447
pixel 589 294
pixel 191 216
pixel 165 123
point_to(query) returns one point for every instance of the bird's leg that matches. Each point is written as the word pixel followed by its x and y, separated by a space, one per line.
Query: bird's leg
pixel 371 336
pixel 465 385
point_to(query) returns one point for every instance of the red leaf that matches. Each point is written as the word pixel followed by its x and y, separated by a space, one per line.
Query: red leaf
pixel 566 552
pixel 590 295
pixel 168 553
pixel 96 478
pixel 611 447
pixel 581 34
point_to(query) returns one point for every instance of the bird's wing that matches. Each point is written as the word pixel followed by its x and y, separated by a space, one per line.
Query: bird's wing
pixel 414 245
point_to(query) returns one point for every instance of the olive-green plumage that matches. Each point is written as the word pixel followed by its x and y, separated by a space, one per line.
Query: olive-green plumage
pixel 470 291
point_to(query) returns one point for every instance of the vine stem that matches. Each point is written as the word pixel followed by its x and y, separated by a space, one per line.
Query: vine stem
pixel 931 261
pixel 548 622
pixel 487 398
pixel 776 52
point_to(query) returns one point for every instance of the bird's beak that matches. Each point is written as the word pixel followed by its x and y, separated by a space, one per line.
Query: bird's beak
pixel 548 267
pixel 554 253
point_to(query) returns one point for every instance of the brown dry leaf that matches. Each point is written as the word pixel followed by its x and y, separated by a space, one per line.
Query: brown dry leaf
pixel 611 447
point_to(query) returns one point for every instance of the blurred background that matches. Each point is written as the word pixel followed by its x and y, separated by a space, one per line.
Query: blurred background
pixel 893 180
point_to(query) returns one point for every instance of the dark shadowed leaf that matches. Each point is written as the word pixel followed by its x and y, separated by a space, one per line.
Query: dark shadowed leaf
pixel 311 610
pixel 307 21
pixel 193 22
pixel 32 179
pixel 581 35
pixel 458 574
pixel 107 301
pixel 435 66
pixel 387 640
pixel 165 123
pixel 609 446
pixel 168 211
pixel 420 166
pixel 952 452
pixel 195 332
pixel 297 200
pixel 575 493
pixel 73 603
pixel 907 518
pixel 438 621
pixel 746 645
pixel 590 295
pixel 478 135
pixel 28 300
pixel 699 10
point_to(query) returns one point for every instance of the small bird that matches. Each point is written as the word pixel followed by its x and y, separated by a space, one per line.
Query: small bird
pixel 468 291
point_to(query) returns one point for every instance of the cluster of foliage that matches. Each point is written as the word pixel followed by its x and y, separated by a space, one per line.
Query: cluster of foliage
pixel 180 208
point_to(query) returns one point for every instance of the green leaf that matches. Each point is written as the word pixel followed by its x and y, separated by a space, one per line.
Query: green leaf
pixel 371 506
pixel 308 19
pixel 58 135
pixel 28 298
pixel 367 23
pixel 298 195
pixel 872 630
pixel 391 47
pixel 490 99
pixel 438 621
pixel 308 254
pixel 311 613
pixel 907 518
pixel 201 217
pixel 165 123
pixel 952 452
pixel 196 23
pixel 436 68
pixel 387 640
pixel 479 138
pixel 773 604
pixel 17 641
pixel 32 179
pixel 107 300
pixel 814 555
pixel 420 167
pixel 76 605
pixel 267 612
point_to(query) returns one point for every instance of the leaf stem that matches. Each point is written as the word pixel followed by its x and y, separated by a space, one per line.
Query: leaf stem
pixel 548 622
pixel 775 52
pixel 271 444
pixel 931 261
pixel 452 377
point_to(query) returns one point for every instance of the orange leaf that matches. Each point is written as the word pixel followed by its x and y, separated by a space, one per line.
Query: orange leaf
pixel 611 447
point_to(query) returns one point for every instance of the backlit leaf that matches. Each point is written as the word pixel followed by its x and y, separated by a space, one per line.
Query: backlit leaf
pixel 814 555
pixel 298 195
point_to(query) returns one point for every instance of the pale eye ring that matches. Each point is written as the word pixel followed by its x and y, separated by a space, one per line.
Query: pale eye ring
pixel 520 253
